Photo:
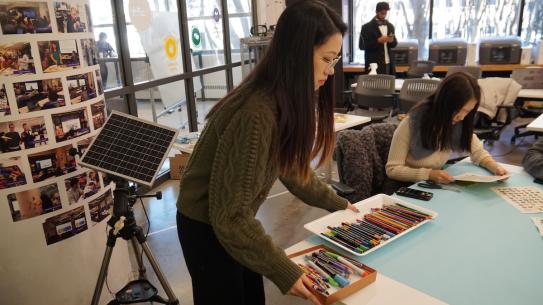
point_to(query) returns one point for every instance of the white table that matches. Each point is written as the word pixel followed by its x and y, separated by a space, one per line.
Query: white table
pixel 531 94
pixel 536 125
pixel 384 291
pixel 345 121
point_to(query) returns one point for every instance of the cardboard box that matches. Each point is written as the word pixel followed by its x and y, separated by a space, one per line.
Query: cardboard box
pixel 177 165
pixel 356 284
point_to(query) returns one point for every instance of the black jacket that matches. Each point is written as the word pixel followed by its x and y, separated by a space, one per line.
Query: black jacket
pixel 374 51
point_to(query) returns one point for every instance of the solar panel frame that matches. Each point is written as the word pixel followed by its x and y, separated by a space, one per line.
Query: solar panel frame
pixel 119 151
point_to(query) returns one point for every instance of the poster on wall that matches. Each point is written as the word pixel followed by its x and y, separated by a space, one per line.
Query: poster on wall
pixel 34 202
pixel 65 225
pixel 51 102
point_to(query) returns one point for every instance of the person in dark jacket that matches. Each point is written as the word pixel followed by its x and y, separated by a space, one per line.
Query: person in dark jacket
pixel 376 39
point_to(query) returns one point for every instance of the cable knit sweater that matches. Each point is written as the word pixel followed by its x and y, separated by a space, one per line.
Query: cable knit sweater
pixel 229 176
pixel 401 165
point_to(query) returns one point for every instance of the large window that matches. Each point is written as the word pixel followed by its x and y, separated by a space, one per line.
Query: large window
pixel 205 29
pixel 106 42
pixel 410 19
pixel 532 22
pixel 474 19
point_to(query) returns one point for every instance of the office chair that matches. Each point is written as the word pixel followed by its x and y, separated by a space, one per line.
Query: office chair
pixel 418 68
pixel 489 129
pixel 529 78
pixel 474 71
pixel 375 97
pixel 415 90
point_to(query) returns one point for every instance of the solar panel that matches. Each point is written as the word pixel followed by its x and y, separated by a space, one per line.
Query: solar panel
pixel 130 147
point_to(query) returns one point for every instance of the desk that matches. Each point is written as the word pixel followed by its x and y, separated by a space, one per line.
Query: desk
pixel 531 94
pixel 345 121
pixel 480 250
pixel 384 291
pixel 536 125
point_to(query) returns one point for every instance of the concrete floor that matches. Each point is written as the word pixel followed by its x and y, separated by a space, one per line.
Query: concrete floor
pixel 283 217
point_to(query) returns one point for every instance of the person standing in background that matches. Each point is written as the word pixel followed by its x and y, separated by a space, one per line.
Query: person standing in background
pixel 376 39
pixel 105 50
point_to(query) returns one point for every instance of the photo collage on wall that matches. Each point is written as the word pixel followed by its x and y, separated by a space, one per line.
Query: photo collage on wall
pixel 51 107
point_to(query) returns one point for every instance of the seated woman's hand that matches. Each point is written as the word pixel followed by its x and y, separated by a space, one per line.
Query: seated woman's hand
pixel 500 171
pixel 440 176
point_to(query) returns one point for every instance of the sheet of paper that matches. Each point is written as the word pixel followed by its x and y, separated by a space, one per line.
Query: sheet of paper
pixel 538 221
pixel 527 199
pixel 479 178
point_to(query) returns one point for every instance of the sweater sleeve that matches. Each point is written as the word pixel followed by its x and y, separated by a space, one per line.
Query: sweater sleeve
pixel 533 160
pixel 237 177
pixel 397 155
pixel 480 156
pixel 315 193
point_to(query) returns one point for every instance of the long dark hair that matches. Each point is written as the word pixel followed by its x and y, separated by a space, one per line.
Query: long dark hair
pixel 438 110
pixel 286 74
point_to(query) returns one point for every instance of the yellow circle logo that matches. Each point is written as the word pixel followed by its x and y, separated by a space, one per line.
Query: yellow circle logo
pixel 170 47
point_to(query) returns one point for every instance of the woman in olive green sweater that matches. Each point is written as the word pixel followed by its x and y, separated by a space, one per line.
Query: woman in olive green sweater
pixel 263 130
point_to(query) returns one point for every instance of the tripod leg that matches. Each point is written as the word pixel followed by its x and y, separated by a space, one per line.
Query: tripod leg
pixel 169 292
pixel 141 267
pixel 102 275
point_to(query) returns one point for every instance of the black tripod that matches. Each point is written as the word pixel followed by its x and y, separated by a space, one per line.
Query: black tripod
pixel 123 224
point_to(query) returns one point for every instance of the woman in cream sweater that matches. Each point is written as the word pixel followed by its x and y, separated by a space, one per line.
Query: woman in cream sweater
pixel 436 127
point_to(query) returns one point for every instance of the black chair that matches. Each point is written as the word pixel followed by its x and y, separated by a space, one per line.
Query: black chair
pixel 474 71
pixel 489 129
pixel 375 96
pixel 418 68
pixel 415 90
pixel 529 78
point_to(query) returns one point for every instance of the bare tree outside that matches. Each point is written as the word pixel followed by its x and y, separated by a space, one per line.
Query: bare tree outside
pixel 532 23
pixel 474 19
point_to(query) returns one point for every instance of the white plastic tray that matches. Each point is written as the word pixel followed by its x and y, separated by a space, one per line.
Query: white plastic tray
pixel 319 226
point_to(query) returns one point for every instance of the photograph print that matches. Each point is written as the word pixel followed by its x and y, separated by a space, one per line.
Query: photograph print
pixel 58 55
pixel 52 163
pixel 23 134
pixel 21 17
pixel 34 202
pixel 16 59
pixel 69 125
pixel 65 225
pixel 39 95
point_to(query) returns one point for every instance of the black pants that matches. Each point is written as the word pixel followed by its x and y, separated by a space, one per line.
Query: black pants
pixel 216 277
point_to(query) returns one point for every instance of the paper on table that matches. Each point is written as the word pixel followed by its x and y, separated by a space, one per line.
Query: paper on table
pixel 479 178
pixel 538 221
